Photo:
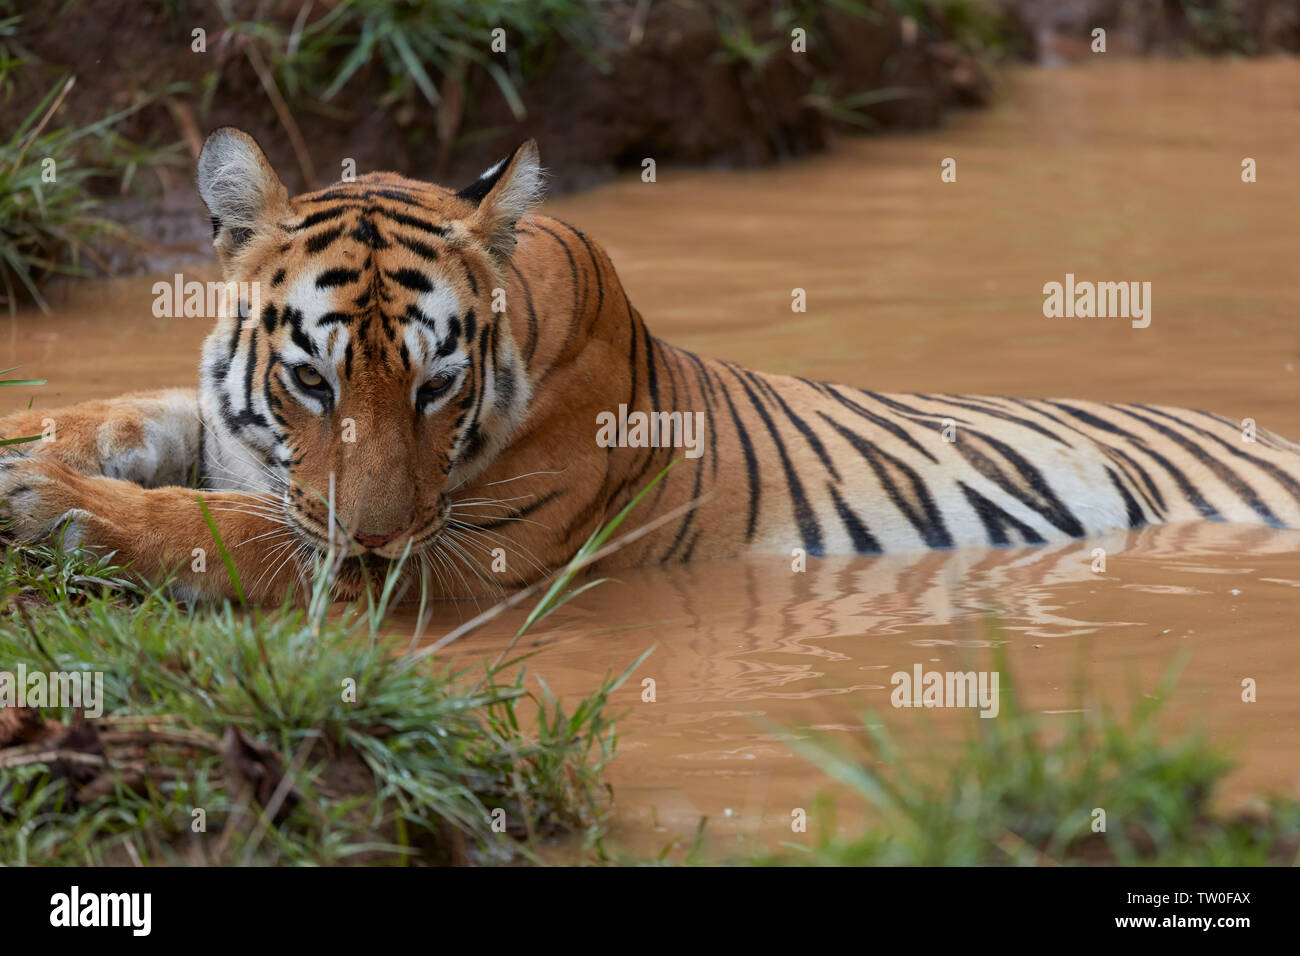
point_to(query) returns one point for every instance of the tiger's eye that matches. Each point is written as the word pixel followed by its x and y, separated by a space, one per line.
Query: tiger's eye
pixel 433 389
pixel 308 376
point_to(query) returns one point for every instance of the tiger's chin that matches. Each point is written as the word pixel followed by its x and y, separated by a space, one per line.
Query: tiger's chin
pixel 358 573
pixel 361 567
pixel 353 575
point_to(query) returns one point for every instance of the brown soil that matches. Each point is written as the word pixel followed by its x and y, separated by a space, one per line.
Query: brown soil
pixel 667 95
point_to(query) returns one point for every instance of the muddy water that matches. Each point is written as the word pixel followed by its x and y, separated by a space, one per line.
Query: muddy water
pixel 1112 172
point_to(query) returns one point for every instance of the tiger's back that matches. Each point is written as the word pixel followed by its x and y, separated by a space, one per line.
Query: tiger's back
pixel 789 463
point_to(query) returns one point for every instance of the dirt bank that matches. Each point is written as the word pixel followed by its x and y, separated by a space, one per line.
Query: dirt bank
pixel 669 87
pixel 697 82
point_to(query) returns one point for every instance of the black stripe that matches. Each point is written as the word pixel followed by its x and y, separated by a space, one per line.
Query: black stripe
pixel 892 427
pixel 1150 491
pixel 419 248
pixel 710 397
pixel 578 307
pixel 350 196
pixel 403 194
pixel 250 359
pixel 652 376
pixel 863 541
pixel 325 215
pixel 531 344
pixel 1225 474
pixel 321 240
pixel 416 315
pixel 523 512
pixel 686 555
pixel 1206 510
pixel 1282 478
pixel 1004 416
pixel 928 522
pixel 410 279
pixel 1148 488
pixel 294 319
pixel 412 221
pixel 687 519
pixel 1046 503
pixel 1136 519
pixel 812 439
pixel 907 409
pixel 751 464
pixel 234 339
pixel 809 528
pixel 595 263
pixel 338 276
pixel 996 519
pixel 366 233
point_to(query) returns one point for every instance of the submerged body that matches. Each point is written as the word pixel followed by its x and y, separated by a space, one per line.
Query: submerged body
pixel 427 373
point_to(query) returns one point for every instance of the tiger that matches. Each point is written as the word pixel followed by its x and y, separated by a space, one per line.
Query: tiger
pixel 420 389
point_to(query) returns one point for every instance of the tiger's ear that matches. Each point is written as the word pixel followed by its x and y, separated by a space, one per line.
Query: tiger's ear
pixel 503 195
pixel 243 194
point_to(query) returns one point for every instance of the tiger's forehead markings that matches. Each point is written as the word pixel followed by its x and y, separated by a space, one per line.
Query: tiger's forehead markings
pixel 376 302
pixel 368 193
pixel 433 325
pixel 360 216
pixel 316 218
pixel 316 326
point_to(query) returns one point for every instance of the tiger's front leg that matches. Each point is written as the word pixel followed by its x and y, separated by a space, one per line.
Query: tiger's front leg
pixel 110 475
pixel 160 533
pixel 149 438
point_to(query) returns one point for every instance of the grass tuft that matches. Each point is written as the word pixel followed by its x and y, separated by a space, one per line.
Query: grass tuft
pixel 1009 797
pixel 47 211
pixel 294 735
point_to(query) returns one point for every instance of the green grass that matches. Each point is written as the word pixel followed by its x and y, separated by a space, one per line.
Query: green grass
pixel 13 55
pixel 304 736
pixel 19 439
pixel 970 25
pixel 1012 794
pixel 48 215
pixel 1218 26
pixel 434 51
pixel 973 25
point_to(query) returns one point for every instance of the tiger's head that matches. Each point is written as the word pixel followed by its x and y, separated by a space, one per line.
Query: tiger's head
pixel 377 371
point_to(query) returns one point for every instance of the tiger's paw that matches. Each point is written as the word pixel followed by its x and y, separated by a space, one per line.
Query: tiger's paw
pixel 42 499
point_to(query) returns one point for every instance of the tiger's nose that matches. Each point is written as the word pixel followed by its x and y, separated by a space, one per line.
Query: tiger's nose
pixel 376 540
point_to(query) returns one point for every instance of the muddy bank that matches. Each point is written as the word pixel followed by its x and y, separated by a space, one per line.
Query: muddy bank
pixel 666 80
pixel 692 82
pixel 1054 31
